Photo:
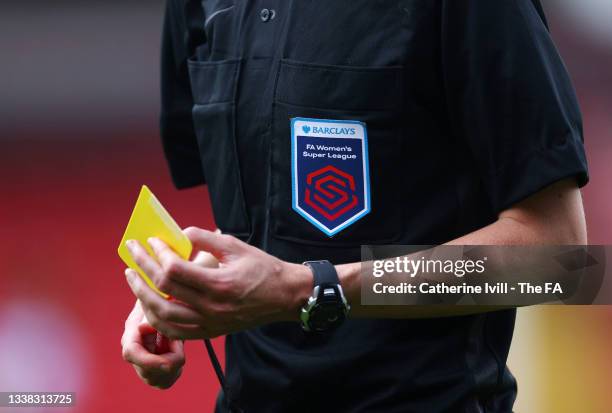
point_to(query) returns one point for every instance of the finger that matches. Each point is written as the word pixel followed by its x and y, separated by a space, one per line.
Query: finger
pixel 178 271
pixel 177 346
pixel 220 245
pixel 162 251
pixel 175 331
pixel 143 259
pixel 159 380
pixel 162 309
pixel 175 359
pixel 136 314
pixel 136 354
pixel 156 376
pixel 188 297
pixel 178 331
pixel 133 319
pixel 130 332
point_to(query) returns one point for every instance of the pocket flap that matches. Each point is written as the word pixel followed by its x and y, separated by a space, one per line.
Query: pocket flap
pixel 340 87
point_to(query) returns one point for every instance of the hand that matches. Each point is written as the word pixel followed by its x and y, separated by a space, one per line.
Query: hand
pixel 138 344
pixel 247 289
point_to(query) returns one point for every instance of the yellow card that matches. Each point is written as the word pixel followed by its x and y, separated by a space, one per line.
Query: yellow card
pixel 150 219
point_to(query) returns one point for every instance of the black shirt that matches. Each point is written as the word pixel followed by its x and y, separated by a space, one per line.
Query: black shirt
pixel 468 108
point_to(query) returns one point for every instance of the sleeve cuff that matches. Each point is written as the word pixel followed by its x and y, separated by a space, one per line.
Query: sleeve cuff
pixel 537 170
pixel 184 174
pixel 182 153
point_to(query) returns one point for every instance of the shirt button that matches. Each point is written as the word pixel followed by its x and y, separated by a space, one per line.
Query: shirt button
pixel 265 15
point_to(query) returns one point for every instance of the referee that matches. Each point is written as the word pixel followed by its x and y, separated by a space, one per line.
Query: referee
pixel 321 126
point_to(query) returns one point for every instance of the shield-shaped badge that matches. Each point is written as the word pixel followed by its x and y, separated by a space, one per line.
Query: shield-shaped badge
pixel 330 176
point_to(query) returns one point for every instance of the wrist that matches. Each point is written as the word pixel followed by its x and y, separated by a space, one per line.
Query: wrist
pixel 300 284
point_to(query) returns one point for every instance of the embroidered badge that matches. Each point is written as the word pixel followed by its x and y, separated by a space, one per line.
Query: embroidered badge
pixel 330 176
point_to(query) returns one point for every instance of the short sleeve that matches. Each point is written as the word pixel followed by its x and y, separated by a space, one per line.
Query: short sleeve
pixel 176 124
pixel 510 98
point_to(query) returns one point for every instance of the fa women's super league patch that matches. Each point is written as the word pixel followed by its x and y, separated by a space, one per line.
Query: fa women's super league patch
pixel 330 176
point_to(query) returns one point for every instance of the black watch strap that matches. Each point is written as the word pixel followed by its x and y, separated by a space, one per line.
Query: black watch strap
pixel 324 273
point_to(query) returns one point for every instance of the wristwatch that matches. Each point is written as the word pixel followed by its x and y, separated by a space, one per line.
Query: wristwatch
pixel 327 308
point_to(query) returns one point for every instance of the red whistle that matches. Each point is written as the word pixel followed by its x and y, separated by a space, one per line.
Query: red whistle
pixel 162 343
pixel 156 342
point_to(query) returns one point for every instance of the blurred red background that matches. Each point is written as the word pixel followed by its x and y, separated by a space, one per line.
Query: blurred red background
pixel 62 282
pixel 78 137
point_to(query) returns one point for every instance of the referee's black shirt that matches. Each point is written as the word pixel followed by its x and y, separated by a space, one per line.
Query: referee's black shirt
pixel 468 108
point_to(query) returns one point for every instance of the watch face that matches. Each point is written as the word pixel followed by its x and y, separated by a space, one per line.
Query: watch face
pixel 325 316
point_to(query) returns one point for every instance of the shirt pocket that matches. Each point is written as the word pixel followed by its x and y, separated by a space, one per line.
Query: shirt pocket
pixel 213 87
pixel 372 95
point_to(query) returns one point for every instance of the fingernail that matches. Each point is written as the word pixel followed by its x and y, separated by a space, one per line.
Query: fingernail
pixel 128 274
pixel 129 244
pixel 151 240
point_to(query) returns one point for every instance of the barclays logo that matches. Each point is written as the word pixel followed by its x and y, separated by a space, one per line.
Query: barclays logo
pixel 328 130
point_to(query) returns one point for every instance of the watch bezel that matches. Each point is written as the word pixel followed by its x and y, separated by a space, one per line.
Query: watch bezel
pixel 316 301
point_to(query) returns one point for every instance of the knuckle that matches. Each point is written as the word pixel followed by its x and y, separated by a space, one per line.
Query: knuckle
pixel 126 354
pixel 124 339
pixel 228 239
pixel 172 268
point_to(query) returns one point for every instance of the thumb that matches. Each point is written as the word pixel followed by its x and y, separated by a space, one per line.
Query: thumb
pixel 219 245
pixel 205 259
